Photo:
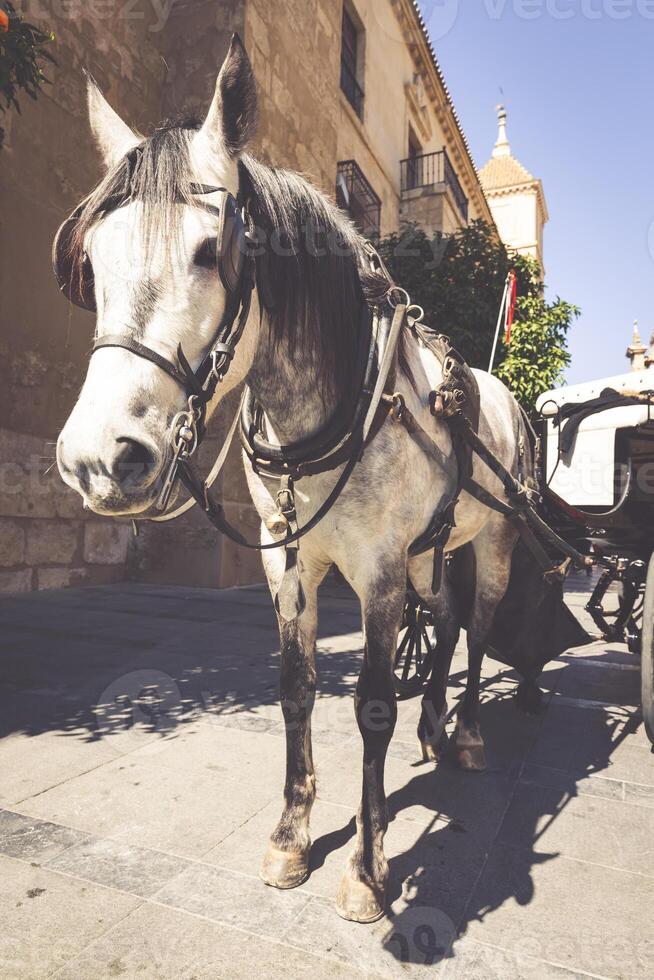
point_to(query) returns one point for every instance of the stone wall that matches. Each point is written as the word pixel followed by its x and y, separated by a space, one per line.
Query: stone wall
pixel 47 165
pixel 432 207
pixel 155 61
pixel 149 67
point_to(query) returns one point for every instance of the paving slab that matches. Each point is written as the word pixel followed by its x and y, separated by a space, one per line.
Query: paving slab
pixel 579 915
pixel 46 918
pixel 34 840
pixel 135 870
pixel 233 899
pixel 152 806
pixel 603 831
pixel 156 943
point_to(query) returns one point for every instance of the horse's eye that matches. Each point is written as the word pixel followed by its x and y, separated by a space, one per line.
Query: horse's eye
pixel 206 254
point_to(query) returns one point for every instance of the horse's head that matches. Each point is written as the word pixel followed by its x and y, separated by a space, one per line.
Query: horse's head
pixel 144 250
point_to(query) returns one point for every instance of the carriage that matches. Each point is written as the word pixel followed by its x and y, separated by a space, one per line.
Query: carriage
pixel 594 447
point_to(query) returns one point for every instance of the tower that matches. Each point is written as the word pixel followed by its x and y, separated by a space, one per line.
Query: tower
pixel 515 197
pixel 636 351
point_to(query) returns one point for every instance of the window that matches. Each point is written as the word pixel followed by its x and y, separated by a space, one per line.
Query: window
pixel 415 151
pixel 351 63
pixel 355 195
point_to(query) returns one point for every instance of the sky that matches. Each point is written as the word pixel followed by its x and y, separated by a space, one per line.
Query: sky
pixel 577 79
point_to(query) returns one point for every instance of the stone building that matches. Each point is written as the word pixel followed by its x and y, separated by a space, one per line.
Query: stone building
pixel 515 197
pixel 351 94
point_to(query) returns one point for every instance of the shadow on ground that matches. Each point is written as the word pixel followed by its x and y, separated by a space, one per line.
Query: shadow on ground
pixel 84 662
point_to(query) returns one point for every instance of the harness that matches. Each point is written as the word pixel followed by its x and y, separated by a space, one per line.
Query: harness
pixel 343 439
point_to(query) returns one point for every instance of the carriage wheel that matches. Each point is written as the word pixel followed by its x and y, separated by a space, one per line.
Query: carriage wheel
pixel 415 651
pixel 647 654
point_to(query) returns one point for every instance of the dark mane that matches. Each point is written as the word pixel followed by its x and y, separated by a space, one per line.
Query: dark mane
pixel 312 254
pixel 312 257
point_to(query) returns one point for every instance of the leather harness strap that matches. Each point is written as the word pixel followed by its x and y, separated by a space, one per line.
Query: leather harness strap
pixel 129 344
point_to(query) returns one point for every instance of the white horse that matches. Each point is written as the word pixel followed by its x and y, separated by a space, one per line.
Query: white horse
pixel 153 261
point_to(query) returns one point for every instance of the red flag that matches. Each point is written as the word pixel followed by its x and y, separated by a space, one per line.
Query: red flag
pixel 510 305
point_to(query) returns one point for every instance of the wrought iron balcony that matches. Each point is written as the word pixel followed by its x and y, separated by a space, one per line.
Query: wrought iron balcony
pixel 351 88
pixel 356 196
pixel 433 168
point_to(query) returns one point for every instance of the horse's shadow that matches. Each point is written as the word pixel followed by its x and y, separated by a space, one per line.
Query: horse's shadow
pixel 480 847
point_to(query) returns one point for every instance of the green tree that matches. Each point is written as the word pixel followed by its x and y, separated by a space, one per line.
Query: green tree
pixel 537 353
pixel 22 50
pixel 459 279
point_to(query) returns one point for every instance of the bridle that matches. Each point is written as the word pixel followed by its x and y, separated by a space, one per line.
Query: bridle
pixel 188 426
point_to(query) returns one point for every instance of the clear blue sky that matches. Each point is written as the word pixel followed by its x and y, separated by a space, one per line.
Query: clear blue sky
pixel 580 98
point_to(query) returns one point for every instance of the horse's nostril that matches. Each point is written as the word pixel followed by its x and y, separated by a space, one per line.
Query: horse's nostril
pixel 132 463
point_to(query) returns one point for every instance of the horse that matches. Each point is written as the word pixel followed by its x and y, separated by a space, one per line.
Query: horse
pixel 153 258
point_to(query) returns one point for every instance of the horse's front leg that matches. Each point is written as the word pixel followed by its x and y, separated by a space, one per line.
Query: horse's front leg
pixel 286 861
pixel 362 889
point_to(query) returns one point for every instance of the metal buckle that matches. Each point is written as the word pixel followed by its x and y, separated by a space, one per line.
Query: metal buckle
pixel 288 507
pixel 397 406
pixel 218 375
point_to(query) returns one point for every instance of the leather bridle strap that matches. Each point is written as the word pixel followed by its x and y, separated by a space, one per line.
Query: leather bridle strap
pixel 134 347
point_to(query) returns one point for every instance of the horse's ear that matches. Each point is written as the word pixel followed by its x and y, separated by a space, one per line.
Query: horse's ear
pixel 113 136
pixel 232 118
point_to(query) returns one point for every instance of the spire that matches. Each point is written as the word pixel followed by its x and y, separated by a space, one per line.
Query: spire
pixel 636 350
pixel 502 147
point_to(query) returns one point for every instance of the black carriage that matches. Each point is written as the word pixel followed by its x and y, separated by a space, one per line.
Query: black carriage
pixel 595 465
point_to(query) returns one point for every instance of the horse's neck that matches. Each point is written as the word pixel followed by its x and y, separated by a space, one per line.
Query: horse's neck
pixel 288 385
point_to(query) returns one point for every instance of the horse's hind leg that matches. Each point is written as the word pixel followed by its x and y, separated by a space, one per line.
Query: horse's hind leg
pixel 493 550
pixel 433 714
pixel 286 862
pixel 361 893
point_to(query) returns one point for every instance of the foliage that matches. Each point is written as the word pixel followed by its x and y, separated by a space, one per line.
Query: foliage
pixel 22 50
pixel 537 353
pixel 459 280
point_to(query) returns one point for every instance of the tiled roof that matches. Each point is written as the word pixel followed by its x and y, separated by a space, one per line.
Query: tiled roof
pixel 504 172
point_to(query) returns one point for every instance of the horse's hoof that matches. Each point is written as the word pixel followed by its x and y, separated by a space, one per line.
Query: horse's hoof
pixel 357 901
pixel 284 869
pixel 433 750
pixel 471 758
pixel 529 697
pixel 433 743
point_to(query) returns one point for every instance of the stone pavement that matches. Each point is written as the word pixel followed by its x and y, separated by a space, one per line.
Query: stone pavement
pixel 141 768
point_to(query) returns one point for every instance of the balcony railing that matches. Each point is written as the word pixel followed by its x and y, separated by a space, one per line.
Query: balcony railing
pixel 356 196
pixel 351 88
pixel 433 168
